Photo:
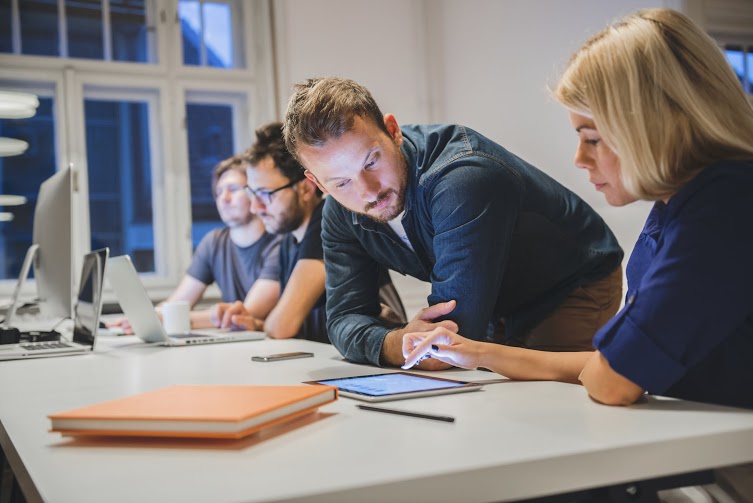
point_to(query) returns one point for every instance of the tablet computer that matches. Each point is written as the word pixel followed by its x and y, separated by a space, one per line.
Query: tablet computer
pixel 396 386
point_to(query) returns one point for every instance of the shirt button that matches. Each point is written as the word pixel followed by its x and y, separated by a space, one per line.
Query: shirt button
pixel 631 299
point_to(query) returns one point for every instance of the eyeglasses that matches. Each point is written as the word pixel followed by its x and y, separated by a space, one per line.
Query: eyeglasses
pixel 231 187
pixel 265 196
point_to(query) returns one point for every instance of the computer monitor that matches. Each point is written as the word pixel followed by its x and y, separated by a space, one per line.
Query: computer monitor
pixel 53 262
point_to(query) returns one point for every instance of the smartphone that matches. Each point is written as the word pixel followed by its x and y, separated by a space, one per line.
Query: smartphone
pixel 281 356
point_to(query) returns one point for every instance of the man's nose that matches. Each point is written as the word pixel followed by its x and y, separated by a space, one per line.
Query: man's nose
pixel 368 187
pixel 256 205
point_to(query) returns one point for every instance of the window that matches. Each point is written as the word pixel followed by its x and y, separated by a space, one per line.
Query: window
pixel 212 123
pixel 94 29
pixel 207 33
pixel 39 27
pixel 120 179
pixel 142 132
pixel 21 176
pixel 6 37
pixel 85 33
pixel 129 25
pixel 741 59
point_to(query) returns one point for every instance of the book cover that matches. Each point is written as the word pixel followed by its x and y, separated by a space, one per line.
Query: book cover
pixel 195 411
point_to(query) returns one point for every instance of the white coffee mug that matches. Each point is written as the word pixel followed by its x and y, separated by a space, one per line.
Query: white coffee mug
pixel 175 317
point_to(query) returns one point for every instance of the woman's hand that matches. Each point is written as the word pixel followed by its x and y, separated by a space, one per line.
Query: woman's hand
pixel 443 345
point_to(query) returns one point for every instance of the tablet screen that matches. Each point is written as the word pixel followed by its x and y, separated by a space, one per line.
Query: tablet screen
pixel 391 384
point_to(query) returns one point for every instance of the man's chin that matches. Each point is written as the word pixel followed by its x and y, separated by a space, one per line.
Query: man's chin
pixel 385 215
pixel 236 223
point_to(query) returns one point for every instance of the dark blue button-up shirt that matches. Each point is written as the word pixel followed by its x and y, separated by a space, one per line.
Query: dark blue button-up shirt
pixel 488 230
pixel 686 330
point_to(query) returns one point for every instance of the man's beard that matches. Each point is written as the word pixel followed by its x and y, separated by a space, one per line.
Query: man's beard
pixel 393 211
pixel 290 220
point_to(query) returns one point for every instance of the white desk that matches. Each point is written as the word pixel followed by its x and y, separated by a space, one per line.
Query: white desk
pixel 510 441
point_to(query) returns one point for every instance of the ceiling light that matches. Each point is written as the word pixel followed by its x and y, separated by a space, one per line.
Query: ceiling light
pixel 17 105
pixel 11 146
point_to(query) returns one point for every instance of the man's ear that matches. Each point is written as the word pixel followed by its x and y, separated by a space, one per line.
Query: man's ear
pixel 311 177
pixel 393 129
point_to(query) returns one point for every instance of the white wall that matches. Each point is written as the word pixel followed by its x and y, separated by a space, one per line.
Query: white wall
pixel 373 43
pixel 498 60
pixel 380 44
pixel 482 63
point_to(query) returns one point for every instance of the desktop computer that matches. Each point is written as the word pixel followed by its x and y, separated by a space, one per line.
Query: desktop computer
pixel 51 251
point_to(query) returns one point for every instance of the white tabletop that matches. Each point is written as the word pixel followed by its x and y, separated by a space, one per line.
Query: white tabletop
pixel 512 440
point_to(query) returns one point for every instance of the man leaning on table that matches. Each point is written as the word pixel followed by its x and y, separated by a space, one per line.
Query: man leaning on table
pixel 512 255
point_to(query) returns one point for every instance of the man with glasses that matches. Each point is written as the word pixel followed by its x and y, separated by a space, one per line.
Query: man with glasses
pixel 512 255
pixel 290 205
pixel 242 258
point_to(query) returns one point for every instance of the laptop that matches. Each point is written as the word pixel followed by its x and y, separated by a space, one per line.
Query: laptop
pixel 140 312
pixel 85 317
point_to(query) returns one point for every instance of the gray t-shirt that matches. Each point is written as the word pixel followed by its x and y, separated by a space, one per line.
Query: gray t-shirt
pixel 232 267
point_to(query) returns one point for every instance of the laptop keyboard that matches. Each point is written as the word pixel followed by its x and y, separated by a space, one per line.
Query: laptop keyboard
pixel 45 345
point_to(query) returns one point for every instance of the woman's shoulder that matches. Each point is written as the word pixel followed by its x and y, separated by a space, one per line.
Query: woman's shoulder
pixel 721 187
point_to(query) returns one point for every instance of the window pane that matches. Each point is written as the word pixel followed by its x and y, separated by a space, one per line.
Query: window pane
pixel 218 35
pixel 749 56
pixel 21 175
pixel 120 179
pixel 210 140
pixel 129 31
pixel 735 58
pixel 6 41
pixel 84 19
pixel 190 27
pixel 39 27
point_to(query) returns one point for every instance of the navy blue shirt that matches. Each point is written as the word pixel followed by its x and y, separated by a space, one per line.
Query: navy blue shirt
pixel 488 230
pixel 314 327
pixel 686 330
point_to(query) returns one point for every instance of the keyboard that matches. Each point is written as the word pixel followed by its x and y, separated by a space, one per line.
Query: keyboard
pixel 45 345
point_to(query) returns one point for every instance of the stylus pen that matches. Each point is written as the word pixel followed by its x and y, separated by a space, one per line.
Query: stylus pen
pixel 446 419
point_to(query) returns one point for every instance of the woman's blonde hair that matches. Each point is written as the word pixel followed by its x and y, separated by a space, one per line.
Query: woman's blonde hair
pixel 662 96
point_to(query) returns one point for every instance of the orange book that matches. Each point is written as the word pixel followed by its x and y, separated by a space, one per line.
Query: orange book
pixel 195 411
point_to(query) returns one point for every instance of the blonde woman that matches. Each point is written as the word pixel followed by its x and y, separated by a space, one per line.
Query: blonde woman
pixel 660 116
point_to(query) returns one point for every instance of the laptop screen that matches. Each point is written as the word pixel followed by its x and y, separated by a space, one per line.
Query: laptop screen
pixel 89 300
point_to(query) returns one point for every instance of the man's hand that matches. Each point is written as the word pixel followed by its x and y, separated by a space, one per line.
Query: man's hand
pixel 221 314
pixel 392 348
pixel 121 323
pixel 246 322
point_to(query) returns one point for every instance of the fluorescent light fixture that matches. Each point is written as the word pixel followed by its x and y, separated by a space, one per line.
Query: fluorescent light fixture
pixel 15 105
pixel 11 146
pixel 5 216
pixel 6 200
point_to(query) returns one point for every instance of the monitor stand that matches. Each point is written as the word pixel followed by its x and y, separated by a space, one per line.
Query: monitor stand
pixel 15 300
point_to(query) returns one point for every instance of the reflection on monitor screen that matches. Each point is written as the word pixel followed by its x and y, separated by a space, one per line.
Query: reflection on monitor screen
pixel 53 269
